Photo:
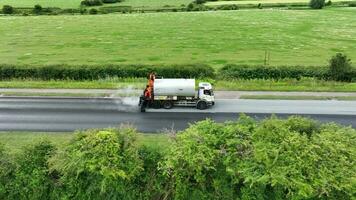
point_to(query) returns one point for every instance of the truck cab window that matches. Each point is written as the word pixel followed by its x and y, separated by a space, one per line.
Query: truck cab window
pixel 207 92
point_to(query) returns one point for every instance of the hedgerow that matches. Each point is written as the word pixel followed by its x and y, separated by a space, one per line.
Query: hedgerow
pixel 230 71
pixel 94 72
pixel 272 72
pixel 294 158
pixel 284 72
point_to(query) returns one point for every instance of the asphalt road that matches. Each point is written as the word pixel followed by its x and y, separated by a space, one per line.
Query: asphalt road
pixel 54 114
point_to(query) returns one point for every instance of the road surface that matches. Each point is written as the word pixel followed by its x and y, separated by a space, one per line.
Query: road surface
pixel 68 114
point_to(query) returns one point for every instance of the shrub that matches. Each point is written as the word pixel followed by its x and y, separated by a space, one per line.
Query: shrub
pixel 91 3
pixel 259 6
pixel 199 1
pixel 276 159
pixel 6 172
pixel 284 157
pixel 329 3
pixel 110 1
pixel 352 4
pixel 317 4
pixel 340 67
pixel 37 9
pixel 83 11
pixel 32 177
pixel 228 7
pixel 151 182
pixel 6 9
pixel 205 160
pixel 196 7
pixel 93 11
pixel 101 164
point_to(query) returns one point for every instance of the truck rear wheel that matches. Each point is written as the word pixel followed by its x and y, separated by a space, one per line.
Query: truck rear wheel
pixel 167 104
pixel 202 105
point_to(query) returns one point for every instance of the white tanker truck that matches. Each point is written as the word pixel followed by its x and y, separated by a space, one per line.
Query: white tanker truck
pixel 166 93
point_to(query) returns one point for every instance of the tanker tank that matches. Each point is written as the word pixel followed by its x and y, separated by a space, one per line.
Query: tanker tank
pixel 174 87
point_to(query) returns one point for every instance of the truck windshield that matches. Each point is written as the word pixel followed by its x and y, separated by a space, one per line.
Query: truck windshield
pixel 208 92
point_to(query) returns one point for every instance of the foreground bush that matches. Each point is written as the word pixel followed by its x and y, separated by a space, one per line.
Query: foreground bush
pixel 32 179
pixel 95 72
pixel 101 164
pixel 6 172
pixel 294 158
pixel 277 159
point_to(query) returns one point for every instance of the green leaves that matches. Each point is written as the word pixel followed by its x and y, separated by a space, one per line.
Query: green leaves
pixel 295 158
pixel 109 157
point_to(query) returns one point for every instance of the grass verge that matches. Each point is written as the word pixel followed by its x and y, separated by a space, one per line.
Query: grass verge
pixel 15 140
pixel 307 84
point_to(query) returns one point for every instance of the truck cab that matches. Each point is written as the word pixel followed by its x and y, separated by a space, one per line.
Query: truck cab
pixel 205 94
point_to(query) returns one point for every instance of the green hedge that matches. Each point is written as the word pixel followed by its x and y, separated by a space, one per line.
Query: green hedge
pixel 94 72
pixel 280 72
pixel 272 72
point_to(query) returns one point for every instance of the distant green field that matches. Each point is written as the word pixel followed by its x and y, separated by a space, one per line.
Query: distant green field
pixel 293 37
pixel 76 3
pixel 154 3
pixel 213 3
pixel 43 3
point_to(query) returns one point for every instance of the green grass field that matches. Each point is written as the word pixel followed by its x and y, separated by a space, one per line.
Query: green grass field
pixel 43 3
pixel 304 37
pixel 76 3
pixel 214 3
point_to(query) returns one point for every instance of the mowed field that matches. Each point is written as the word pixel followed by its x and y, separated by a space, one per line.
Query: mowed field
pixel 43 3
pixel 213 3
pixel 76 3
pixel 292 37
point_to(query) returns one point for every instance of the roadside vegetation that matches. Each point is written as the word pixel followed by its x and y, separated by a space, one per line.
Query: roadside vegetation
pixel 294 158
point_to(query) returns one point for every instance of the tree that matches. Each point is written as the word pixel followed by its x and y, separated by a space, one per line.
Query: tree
pixel 317 4
pixel 93 11
pixel 37 9
pixel 339 66
pixel 6 9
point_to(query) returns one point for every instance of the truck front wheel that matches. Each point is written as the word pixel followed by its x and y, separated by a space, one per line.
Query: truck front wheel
pixel 167 104
pixel 202 105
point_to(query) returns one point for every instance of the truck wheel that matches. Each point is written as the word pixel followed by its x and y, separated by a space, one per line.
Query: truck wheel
pixel 167 104
pixel 202 105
